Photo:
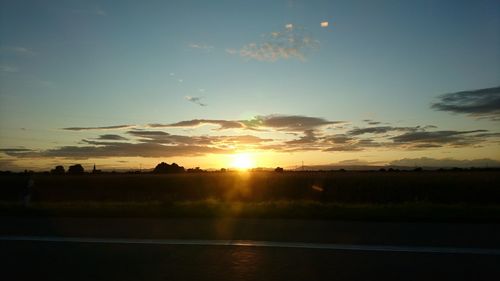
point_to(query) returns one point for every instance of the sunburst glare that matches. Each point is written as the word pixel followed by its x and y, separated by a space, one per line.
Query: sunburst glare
pixel 242 161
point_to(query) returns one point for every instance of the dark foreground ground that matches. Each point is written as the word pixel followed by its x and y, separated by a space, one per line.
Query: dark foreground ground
pixel 73 261
pixel 253 226
pixel 28 260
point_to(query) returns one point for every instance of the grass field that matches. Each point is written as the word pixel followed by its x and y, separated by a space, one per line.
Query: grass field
pixel 467 195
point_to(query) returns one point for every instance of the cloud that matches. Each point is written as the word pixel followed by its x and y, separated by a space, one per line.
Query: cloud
pixel 98 128
pixel 203 47
pixel 290 43
pixel 111 137
pixel 455 138
pixel 339 139
pixel 142 133
pixel 415 138
pixel 162 137
pixel 347 147
pixel 311 134
pixel 8 68
pixel 121 150
pixel 148 144
pixel 445 162
pixel 309 137
pixel 351 144
pixel 297 123
pixel 377 130
pixel 14 150
pixel 371 122
pixel 482 103
pixel 17 50
pixel 223 124
pixel 99 142
pixel 196 100
pixel 288 122
pixel 244 139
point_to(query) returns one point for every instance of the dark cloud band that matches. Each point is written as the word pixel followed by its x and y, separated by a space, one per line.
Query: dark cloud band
pixel 483 103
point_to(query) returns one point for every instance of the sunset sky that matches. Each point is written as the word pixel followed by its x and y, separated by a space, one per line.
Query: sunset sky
pixel 127 84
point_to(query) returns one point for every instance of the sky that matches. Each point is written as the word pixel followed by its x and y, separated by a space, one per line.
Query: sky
pixel 128 84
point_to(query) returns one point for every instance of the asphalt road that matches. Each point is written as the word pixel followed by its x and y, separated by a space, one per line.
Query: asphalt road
pixel 52 260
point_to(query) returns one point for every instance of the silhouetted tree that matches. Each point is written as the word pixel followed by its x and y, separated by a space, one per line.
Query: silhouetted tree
pixel 58 170
pixel 195 170
pixel 176 168
pixel 75 169
pixel 164 168
pixel 278 170
pixel 161 168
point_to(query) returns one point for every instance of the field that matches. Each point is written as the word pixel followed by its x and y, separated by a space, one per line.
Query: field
pixel 425 195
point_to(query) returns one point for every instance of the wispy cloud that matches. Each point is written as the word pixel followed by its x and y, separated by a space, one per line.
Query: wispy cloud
pixel 456 138
pixel 378 130
pixel 162 137
pixel 97 11
pixel 121 150
pixel 17 50
pixel 200 46
pixel 295 123
pixel 15 150
pixel 196 100
pixel 290 43
pixel 111 137
pixel 115 127
pixel 372 122
pixel 288 122
pixel 8 68
pixel 482 103
pixel 223 124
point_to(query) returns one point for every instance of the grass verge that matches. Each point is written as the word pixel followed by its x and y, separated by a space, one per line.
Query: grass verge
pixel 272 209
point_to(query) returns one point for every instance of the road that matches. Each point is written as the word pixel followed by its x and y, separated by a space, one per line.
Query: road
pixel 159 249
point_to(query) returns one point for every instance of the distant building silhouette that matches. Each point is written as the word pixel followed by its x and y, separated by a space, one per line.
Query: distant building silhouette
pixel 95 171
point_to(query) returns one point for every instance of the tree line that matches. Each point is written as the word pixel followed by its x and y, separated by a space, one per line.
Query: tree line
pixel 161 168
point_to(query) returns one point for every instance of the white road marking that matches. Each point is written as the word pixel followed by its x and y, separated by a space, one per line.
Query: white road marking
pixel 251 243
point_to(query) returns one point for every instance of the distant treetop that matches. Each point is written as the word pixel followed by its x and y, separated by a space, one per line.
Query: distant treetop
pixel 164 168
pixel 58 170
pixel 76 169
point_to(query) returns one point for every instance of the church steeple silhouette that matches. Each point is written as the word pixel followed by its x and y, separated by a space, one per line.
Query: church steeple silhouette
pixel 95 171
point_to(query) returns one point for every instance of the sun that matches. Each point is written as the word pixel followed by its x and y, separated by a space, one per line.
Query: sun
pixel 242 161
